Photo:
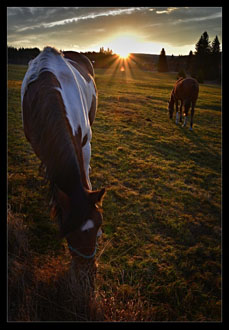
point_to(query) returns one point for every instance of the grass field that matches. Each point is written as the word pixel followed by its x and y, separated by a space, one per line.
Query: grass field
pixel 159 258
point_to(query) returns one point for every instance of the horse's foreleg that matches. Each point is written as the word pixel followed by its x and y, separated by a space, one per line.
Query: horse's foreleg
pixel 177 117
pixel 181 111
pixel 177 114
pixel 185 120
pixel 192 114
pixel 186 109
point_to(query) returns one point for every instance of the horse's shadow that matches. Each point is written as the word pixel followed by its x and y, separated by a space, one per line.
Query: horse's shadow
pixel 204 154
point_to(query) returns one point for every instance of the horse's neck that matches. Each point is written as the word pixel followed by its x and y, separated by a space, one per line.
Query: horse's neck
pixel 172 97
pixel 79 195
pixel 70 182
pixel 76 199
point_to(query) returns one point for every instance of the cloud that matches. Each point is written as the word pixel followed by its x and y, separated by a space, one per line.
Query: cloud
pixel 183 26
pixel 166 11
pixel 198 19
pixel 75 19
pixel 93 27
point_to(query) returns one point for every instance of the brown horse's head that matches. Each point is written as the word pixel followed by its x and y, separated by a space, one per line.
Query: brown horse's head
pixel 80 221
pixel 171 107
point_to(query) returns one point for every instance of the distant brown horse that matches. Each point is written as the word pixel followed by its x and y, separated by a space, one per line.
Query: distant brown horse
pixel 186 90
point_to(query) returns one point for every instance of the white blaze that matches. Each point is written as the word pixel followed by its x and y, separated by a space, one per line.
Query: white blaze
pixel 88 225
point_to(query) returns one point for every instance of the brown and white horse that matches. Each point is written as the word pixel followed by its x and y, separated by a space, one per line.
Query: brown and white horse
pixel 59 100
pixel 186 90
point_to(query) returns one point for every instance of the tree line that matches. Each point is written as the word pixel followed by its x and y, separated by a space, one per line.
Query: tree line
pixel 101 59
pixel 21 55
pixel 205 63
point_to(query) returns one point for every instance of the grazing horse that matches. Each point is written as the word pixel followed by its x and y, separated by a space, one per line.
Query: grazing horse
pixel 186 90
pixel 59 100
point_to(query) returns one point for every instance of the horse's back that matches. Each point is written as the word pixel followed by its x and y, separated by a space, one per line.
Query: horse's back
pixel 187 88
pixel 76 92
pixel 56 102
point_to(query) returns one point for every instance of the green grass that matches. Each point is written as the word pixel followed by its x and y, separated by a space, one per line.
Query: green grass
pixel 159 258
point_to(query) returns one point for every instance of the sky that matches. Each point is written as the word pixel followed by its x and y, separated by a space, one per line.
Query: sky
pixel 122 29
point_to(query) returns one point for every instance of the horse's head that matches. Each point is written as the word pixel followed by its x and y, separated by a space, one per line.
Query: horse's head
pixel 81 223
pixel 171 107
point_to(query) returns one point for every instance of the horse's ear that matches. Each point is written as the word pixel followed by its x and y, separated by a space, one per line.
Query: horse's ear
pixel 96 197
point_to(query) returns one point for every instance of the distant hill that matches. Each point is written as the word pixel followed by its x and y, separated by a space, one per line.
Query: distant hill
pixel 100 60
pixel 146 62
pixel 149 61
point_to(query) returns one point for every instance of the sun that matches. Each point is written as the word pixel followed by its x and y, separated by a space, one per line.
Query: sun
pixel 123 54
pixel 123 45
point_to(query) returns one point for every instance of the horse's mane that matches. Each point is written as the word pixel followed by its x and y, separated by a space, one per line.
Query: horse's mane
pixel 52 142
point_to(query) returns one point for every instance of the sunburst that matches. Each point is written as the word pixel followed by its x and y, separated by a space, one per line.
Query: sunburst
pixel 123 54
pixel 123 44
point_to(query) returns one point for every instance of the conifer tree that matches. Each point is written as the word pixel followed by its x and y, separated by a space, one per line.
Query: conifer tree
pixel 203 45
pixel 162 65
pixel 189 62
pixel 216 59
pixel 202 56
pixel 215 48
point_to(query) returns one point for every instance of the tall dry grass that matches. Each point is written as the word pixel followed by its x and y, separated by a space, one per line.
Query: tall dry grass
pixel 61 289
pixel 47 288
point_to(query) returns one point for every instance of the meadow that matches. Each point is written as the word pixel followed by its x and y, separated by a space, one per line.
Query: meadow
pixel 159 258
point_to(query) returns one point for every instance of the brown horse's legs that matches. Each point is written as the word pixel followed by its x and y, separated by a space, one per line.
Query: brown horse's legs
pixel 187 104
pixel 181 105
pixel 177 115
pixel 192 114
pixel 185 120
